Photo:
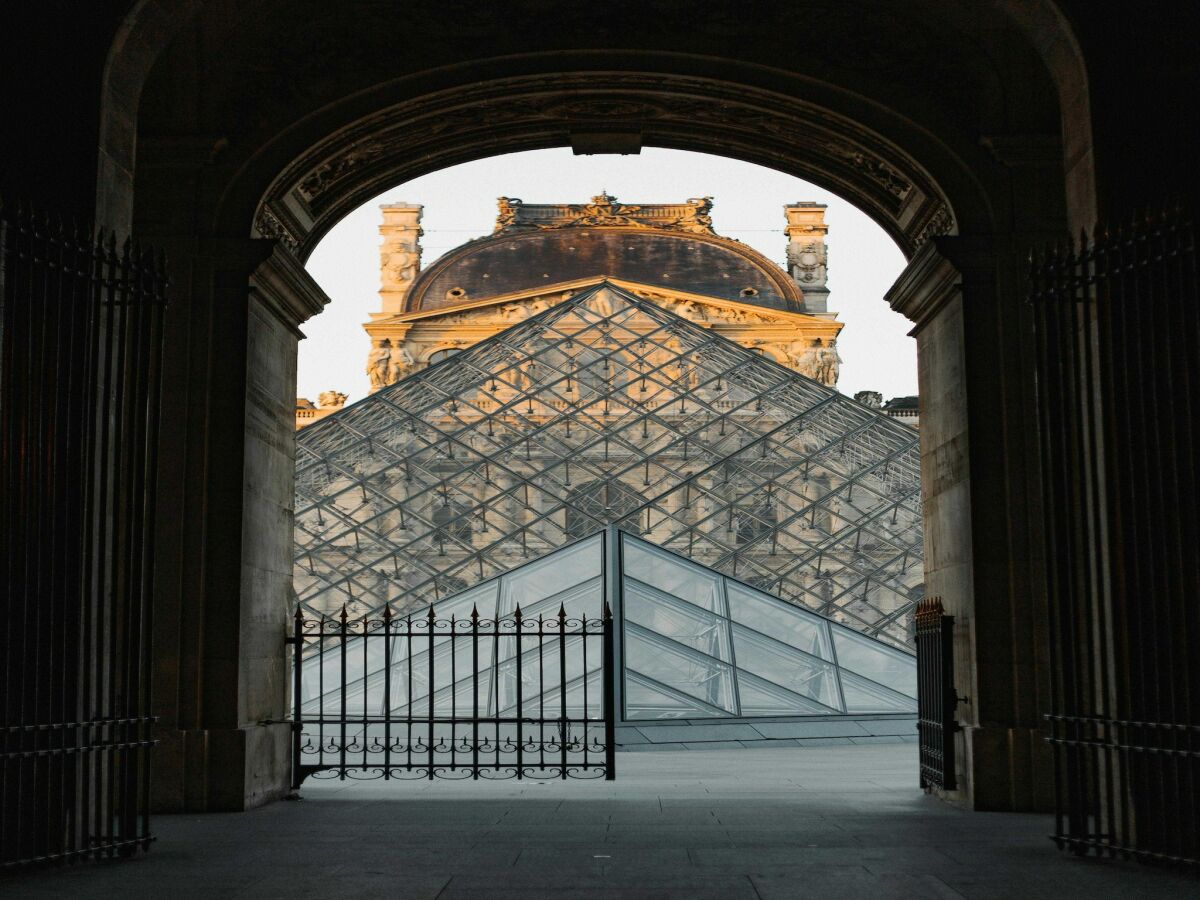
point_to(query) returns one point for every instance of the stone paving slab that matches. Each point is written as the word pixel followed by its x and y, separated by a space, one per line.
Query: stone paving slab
pixel 843 821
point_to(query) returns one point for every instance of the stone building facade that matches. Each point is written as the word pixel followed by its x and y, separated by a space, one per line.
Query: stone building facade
pixel 541 254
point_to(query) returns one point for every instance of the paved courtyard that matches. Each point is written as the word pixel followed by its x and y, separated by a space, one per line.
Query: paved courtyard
pixel 816 822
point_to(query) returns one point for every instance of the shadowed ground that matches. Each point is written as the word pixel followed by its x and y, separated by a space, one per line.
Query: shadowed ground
pixel 834 821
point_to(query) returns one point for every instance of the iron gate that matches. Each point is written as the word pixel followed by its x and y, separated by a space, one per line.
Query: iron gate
pixel 473 697
pixel 1117 317
pixel 80 352
pixel 936 696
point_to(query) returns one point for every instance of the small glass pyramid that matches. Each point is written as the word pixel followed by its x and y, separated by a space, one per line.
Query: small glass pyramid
pixel 607 409
pixel 695 645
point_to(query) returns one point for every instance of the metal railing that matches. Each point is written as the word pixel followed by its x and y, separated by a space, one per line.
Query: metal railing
pixel 1117 317
pixel 936 695
pixel 80 353
pixel 472 697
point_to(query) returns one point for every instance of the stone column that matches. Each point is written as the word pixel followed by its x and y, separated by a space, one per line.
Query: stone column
pixel 399 253
pixel 223 562
pixel 807 256
pixel 979 475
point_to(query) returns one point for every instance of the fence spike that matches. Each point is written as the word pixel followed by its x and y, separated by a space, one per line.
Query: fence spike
pixel 345 617
pixel 474 613
pixel 431 615
pixel 562 612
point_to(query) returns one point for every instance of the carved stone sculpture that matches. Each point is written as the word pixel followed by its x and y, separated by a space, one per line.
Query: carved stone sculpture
pixel 400 264
pixel 377 364
pixel 828 365
pixel 400 362
pixel 331 400
pixel 507 214
pixel 697 220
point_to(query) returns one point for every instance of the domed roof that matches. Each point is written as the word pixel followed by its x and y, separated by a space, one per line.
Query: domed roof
pixel 515 259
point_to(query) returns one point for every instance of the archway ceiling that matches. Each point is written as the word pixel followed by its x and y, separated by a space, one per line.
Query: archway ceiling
pixel 347 99
pixel 508 115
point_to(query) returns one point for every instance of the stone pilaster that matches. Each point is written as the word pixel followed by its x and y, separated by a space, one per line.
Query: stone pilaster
pixel 399 253
pixel 979 477
pixel 807 255
pixel 223 560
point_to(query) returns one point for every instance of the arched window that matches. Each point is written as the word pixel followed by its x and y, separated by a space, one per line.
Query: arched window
pixel 438 355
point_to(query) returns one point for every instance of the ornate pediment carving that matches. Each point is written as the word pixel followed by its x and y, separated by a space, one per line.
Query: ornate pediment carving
pixel 604 210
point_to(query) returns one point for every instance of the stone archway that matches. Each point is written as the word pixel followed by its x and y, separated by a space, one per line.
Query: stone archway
pixel 240 183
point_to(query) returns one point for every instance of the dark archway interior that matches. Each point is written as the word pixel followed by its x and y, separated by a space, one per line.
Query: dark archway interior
pixel 235 135
pixel 900 112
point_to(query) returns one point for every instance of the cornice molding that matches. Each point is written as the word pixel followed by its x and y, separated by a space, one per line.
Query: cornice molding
pixel 926 285
pixel 647 291
pixel 287 290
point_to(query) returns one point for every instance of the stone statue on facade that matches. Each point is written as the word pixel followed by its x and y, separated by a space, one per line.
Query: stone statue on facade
pixel 697 220
pixel 377 364
pixel 602 303
pixel 331 400
pixel 401 264
pixel 806 261
pixel 400 362
pixel 604 210
pixel 873 399
pixel 685 309
pixel 828 365
pixel 507 214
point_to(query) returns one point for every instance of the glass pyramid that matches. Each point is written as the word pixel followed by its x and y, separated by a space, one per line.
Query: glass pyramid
pixel 607 409
pixel 695 645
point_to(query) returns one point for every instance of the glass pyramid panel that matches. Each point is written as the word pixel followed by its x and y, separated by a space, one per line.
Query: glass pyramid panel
pixel 801 629
pixel 654 701
pixel 756 655
pixel 863 696
pixel 661 661
pixel 762 698
pixel 666 615
pixel 874 661
pixel 606 409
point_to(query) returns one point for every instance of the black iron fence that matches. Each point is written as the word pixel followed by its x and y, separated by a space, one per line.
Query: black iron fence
pixel 1118 323
pixel 475 697
pixel 80 344
pixel 936 696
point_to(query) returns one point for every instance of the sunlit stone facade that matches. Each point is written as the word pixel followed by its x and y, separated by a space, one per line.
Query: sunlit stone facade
pixel 541 254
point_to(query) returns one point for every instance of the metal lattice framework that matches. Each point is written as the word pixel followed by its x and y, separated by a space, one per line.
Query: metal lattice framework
pixel 606 408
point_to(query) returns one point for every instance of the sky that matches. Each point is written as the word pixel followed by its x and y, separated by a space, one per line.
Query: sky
pixel 748 201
